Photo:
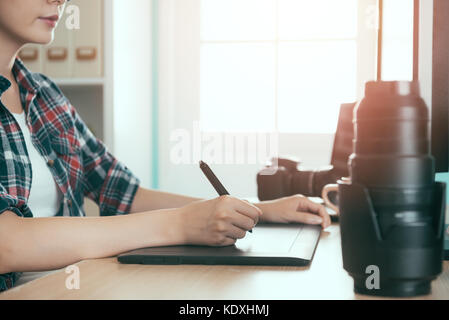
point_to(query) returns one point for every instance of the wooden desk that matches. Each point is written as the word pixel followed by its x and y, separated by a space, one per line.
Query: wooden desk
pixel 107 279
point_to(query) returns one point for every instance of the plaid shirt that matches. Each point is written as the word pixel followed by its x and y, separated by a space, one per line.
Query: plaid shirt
pixel 81 165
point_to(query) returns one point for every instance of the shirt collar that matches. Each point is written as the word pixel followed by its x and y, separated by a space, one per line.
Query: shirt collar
pixel 4 84
pixel 23 76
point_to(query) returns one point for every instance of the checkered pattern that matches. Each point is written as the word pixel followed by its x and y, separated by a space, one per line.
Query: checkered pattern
pixel 80 163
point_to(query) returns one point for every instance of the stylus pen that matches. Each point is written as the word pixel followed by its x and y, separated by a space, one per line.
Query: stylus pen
pixel 218 186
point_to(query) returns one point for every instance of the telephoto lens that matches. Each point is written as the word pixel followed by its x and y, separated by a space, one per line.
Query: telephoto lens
pixel 391 209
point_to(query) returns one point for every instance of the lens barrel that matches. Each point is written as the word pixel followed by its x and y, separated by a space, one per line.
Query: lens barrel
pixel 392 138
pixel 392 211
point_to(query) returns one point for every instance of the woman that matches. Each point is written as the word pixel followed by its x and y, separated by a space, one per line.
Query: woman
pixel 49 161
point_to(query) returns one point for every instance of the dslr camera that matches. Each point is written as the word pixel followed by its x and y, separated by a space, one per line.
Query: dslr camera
pixel 284 177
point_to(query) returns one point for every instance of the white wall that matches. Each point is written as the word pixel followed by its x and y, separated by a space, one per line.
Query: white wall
pixel 130 84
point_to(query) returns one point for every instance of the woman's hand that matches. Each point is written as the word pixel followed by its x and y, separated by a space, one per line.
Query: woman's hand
pixel 294 209
pixel 218 222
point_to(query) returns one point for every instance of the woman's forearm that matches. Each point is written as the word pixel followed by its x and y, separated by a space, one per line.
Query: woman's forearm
pixel 40 244
pixel 146 200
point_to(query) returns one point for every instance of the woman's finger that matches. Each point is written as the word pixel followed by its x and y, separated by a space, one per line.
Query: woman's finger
pixel 242 221
pixel 234 232
pixel 226 242
pixel 310 206
pixel 305 217
pixel 247 209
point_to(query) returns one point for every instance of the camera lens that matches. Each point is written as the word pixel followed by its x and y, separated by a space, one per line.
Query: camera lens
pixel 311 183
pixel 392 140
pixel 392 212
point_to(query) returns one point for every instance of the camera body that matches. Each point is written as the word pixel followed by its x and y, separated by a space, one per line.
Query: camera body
pixel 284 177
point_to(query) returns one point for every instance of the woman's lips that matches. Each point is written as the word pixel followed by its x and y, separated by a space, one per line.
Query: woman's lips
pixel 51 21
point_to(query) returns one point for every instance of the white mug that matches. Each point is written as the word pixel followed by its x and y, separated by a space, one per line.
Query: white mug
pixel 325 195
pixel 332 188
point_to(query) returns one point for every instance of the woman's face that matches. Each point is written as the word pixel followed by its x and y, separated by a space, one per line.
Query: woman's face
pixel 30 21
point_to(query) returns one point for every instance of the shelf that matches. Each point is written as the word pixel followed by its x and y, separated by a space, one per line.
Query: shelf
pixel 79 82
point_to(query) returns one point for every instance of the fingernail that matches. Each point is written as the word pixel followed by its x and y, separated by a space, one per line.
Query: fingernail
pixel 317 220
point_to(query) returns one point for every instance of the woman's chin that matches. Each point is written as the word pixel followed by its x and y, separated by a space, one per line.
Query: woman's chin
pixel 43 38
pixel 39 35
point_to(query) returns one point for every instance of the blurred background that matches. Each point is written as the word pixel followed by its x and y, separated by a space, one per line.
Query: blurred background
pixel 165 83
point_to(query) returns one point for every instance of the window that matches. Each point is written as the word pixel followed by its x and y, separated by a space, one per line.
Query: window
pixel 397 53
pixel 280 65
pixel 258 66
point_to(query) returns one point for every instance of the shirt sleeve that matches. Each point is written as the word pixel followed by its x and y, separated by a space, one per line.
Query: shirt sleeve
pixel 107 181
pixel 8 203
pixel 8 280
